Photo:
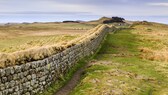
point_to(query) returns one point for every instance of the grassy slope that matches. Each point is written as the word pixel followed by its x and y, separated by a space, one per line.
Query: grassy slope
pixel 24 36
pixel 118 68
pixel 22 43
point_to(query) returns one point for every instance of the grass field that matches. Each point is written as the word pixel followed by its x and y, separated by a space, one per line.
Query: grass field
pixel 129 63
pixel 18 37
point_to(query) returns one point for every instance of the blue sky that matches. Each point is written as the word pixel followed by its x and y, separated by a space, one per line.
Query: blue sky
pixel 125 8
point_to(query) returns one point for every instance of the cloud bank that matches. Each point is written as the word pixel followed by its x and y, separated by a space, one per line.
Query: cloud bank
pixel 92 7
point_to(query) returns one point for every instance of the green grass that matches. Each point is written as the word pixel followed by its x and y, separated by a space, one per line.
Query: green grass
pixel 118 61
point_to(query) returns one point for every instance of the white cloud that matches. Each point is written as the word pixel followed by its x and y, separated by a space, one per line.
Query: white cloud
pixel 158 4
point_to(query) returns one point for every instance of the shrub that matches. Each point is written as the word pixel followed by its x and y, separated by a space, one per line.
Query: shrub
pixel 114 19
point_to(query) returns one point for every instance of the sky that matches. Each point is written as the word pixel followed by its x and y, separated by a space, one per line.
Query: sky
pixel 12 10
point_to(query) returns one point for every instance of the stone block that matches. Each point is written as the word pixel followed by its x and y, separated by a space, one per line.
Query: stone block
pixel 2 72
pixel 8 71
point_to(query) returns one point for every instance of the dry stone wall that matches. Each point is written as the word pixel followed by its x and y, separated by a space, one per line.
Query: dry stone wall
pixel 34 77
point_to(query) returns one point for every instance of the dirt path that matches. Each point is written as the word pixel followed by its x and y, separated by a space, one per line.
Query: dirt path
pixel 65 90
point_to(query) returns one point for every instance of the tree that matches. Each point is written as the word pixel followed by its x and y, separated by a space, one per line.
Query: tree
pixel 114 19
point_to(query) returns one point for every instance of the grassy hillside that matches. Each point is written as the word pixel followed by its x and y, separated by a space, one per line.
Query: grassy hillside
pixel 132 61
pixel 24 36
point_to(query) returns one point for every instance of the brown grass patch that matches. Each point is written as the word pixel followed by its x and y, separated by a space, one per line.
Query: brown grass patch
pixel 145 50
pixel 153 37
pixel 154 55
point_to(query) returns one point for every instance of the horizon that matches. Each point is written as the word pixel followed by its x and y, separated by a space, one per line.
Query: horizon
pixel 56 18
pixel 19 11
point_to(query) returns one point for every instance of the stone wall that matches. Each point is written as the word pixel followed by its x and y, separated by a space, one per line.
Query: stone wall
pixel 34 77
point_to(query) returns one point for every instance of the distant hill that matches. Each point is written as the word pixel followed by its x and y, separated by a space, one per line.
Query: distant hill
pixel 99 21
pixel 105 20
